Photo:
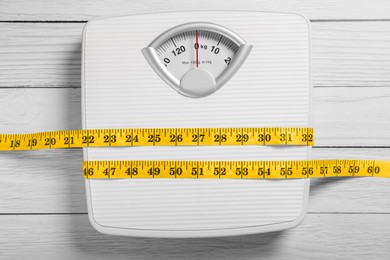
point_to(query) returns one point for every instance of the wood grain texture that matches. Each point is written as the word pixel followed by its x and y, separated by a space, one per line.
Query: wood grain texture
pixel 49 55
pixel 351 54
pixel 19 10
pixel 351 116
pixel 319 236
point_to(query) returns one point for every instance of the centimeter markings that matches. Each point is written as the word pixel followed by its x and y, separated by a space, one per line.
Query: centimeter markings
pixel 235 169
pixel 158 137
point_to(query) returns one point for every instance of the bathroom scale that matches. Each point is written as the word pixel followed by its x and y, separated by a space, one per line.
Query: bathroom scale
pixel 198 69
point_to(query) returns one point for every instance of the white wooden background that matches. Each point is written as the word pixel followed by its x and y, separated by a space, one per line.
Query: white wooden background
pixel 42 200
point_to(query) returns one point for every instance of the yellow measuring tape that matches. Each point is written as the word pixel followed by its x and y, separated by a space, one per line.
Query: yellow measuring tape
pixel 196 137
pixel 158 137
pixel 235 169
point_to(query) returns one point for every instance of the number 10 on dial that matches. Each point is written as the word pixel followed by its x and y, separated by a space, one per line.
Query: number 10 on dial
pixel 196 59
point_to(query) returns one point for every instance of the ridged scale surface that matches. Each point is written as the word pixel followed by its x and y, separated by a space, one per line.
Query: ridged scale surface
pixel 120 89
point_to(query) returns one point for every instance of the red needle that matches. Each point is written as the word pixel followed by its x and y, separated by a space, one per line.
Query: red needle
pixel 196 45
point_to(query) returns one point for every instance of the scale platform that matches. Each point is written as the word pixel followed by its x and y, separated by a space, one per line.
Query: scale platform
pixel 259 77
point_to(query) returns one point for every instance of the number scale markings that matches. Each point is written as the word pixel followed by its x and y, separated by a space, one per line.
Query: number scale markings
pixel 157 137
pixel 179 53
pixel 235 169
pixel 196 137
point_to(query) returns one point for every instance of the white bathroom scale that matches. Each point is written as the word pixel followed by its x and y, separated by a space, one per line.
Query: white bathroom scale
pixel 188 70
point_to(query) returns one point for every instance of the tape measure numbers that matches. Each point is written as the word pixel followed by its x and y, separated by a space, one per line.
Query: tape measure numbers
pixel 196 137
pixel 236 169
pixel 158 137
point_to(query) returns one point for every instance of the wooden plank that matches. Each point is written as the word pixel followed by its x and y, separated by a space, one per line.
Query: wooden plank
pixel 351 116
pixel 82 10
pixel 40 55
pixel 49 55
pixel 320 236
pixel 43 109
pixel 340 116
pixel 351 54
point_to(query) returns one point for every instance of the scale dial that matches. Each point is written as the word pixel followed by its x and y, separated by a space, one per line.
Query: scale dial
pixel 197 49
pixel 196 59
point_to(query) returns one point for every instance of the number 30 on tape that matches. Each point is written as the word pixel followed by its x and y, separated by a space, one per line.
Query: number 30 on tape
pixel 158 137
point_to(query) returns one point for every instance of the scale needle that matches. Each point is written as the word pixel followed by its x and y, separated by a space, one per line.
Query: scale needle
pixel 197 47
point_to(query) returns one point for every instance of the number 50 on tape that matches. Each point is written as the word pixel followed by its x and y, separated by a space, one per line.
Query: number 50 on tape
pixel 236 169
